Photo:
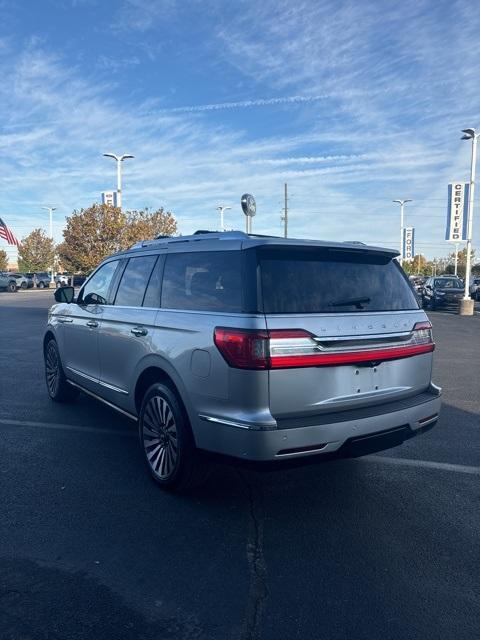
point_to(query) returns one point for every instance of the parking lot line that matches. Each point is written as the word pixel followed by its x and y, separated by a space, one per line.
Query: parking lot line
pixel 426 464
pixel 401 462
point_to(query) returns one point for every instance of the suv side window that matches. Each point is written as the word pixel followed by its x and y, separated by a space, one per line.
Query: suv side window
pixel 203 281
pixel 154 288
pixel 96 289
pixel 134 281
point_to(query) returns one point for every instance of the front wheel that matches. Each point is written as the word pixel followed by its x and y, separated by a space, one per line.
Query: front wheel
pixel 41 285
pixel 12 287
pixel 57 386
pixel 167 441
pixel 24 285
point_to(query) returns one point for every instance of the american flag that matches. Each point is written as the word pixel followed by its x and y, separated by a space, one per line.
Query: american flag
pixel 7 235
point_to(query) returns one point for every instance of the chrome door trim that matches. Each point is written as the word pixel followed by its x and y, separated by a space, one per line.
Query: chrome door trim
pixel 110 404
pixel 100 382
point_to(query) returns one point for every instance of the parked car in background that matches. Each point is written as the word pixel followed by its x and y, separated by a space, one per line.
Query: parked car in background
pixel 475 288
pixel 23 282
pixel 7 282
pixel 63 280
pixel 209 343
pixel 442 291
pixel 42 279
pixel 417 283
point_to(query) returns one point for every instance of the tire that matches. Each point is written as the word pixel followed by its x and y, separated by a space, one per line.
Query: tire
pixel 167 441
pixel 57 386
pixel 58 285
pixel 12 287
pixel 41 284
pixel 24 285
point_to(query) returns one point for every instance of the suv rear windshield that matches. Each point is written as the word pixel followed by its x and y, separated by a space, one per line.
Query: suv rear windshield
pixel 332 281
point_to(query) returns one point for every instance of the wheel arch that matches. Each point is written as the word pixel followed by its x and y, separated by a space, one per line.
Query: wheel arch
pixel 157 371
pixel 49 335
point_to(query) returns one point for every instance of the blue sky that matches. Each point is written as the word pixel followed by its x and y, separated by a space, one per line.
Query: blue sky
pixel 353 104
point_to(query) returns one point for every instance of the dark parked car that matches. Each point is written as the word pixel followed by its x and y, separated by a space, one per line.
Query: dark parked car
pixel 40 279
pixel 442 291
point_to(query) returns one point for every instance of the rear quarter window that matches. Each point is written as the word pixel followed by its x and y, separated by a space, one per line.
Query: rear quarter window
pixel 329 281
pixel 203 281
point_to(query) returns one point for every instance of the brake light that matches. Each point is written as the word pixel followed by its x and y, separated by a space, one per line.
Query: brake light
pixel 291 348
pixel 242 348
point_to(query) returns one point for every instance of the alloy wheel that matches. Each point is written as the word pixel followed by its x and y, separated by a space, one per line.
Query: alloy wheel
pixel 160 437
pixel 52 368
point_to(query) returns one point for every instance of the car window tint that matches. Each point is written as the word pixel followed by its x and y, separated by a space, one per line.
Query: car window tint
pixel 152 295
pixel 134 281
pixel 99 283
pixel 332 282
pixel 203 282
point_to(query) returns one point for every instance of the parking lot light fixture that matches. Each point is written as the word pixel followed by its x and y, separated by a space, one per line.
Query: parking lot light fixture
pixel 50 211
pixel 470 134
pixel 222 208
pixel 119 160
pixel 402 204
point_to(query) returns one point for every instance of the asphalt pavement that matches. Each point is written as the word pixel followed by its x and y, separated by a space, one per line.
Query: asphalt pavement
pixel 383 547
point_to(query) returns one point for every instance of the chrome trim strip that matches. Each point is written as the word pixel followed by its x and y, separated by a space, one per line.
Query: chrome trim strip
pixel 365 336
pixel 112 387
pixel 230 423
pixel 301 453
pixel 82 375
pixel 100 382
pixel 110 404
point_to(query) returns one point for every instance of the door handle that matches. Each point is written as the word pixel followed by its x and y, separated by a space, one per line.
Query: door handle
pixel 64 320
pixel 92 323
pixel 139 331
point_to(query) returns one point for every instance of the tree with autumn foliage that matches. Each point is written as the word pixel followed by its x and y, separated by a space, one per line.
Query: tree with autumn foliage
pixel 94 233
pixel 36 252
pixel 3 260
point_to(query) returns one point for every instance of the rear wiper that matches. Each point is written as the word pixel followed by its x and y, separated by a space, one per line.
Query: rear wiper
pixel 354 302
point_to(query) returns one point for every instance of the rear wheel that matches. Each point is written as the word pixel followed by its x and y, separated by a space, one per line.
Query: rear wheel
pixel 167 441
pixel 41 284
pixel 57 386
pixel 24 285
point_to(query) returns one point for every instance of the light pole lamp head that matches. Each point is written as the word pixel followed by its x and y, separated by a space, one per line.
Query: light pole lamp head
pixel 403 201
pixel 111 155
pixel 469 134
pixel 126 156
pixel 50 208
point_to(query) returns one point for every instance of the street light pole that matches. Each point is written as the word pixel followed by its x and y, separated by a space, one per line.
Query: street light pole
pixel 119 160
pixel 50 215
pixel 402 204
pixel 470 135
pixel 222 208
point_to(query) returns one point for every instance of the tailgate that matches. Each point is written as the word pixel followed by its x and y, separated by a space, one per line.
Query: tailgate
pixel 373 379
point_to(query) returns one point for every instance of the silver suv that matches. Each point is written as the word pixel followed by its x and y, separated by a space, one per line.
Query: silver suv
pixel 258 348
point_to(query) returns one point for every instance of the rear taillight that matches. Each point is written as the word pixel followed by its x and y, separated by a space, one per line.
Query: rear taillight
pixel 422 333
pixel 290 348
pixel 242 348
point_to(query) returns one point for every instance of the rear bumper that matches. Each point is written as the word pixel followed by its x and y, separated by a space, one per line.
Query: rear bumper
pixel 336 436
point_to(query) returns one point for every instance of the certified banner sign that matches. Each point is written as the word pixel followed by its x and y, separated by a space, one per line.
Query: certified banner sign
pixel 110 198
pixel 408 243
pixel 457 213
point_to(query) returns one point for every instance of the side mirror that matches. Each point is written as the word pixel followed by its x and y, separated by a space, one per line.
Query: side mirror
pixel 64 294
pixel 93 298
